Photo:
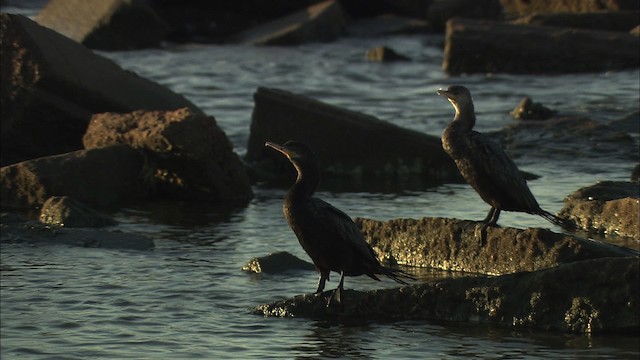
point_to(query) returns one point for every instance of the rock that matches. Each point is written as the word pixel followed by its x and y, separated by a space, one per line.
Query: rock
pixel 442 10
pixel 65 211
pixel 473 46
pixel 608 207
pixel 528 110
pixel 55 85
pixel 519 7
pixel 386 25
pixel 635 31
pixel 347 144
pixel 37 233
pixel 276 263
pixel 451 244
pixel 569 137
pixel 324 21
pixel 635 174
pixel 105 24
pixel 187 155
pixel 385 54
pixel 588 297
pixel 96 177
pixel 629 124
pixel 605 20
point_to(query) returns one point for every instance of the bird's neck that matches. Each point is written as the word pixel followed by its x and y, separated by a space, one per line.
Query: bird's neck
pixel 465 117
pixel 306 183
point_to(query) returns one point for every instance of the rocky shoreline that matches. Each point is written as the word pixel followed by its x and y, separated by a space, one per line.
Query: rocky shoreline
pixel 81 134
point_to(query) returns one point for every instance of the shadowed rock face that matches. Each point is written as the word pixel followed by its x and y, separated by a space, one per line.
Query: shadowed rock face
pixel 593 296
pixel 451 244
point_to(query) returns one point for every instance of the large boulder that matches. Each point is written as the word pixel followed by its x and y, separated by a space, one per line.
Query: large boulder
pixel 474 46
pixel 324 21
pixel 347 144
pixel 608 207
pixel 105 24
pixel 451 244
pixel 187 155
pixel 585 297
pixel 51 86
pixel 96 177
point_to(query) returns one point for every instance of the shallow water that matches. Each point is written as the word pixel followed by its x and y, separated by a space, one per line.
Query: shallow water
pixel 188 298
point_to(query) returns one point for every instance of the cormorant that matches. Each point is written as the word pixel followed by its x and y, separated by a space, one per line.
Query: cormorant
pixel 329 236
pixel 485 165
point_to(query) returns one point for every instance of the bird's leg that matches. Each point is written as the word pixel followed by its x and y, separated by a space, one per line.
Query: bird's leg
pixel 490 220
pixel 337 293
pixel 324 276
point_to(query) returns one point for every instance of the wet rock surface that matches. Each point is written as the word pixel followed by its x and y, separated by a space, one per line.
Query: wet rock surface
pixel 65 211
pixel 361 146
pixel 385 54
pixel 276 263
pixel 451 244
pixel 97 177
pixel 187 156
pixel 529 110
pixel 608 207
pixel 475 46
pixel 106 24
pixel 592 296
pixel 324 21
pixel 52 86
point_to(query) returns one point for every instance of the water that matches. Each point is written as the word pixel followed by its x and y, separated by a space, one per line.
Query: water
pixel 188 298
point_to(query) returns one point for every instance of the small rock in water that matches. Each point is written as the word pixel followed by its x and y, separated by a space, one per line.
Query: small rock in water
pixel 276 263
pixel 384 54
pixel 528 110
pixel 67 212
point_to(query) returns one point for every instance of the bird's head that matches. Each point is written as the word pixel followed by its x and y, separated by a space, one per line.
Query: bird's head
pixel 298 153
pixel 459 96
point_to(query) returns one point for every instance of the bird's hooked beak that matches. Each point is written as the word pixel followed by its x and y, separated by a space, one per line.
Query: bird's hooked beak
pixel 277 147
pixel 444 92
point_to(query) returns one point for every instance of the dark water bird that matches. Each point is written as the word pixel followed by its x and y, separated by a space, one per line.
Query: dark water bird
pixel 329 236
pixel 485 165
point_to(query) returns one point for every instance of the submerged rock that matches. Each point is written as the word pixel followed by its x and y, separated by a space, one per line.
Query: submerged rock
pixel 451 244
pixel 528 110
pixel 276 263
pixel 384 54
pixel 473 46
pixel 65 211
pixel 608 207
pixel 592 296
pixel 187 155
pixel 37 233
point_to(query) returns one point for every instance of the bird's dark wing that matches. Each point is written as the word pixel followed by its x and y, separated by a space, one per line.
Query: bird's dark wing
pixel 490 158
pixel 342 227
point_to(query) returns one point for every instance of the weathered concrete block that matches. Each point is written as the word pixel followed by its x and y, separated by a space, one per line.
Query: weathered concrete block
pixel 97 177
pixel 473 46
pixel 52 85
pixel 65 211
pixel 592 296
pixel 346 143
pixel 608 207
pixel 187 155
pixel 451 244
pixel 324 21
pixel 105 24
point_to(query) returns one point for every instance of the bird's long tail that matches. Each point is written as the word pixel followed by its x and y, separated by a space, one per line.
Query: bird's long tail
pixel 563 223
pixel 398 275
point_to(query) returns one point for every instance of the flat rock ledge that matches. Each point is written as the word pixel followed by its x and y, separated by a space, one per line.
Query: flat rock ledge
pixel 451 244
pixel 592 296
